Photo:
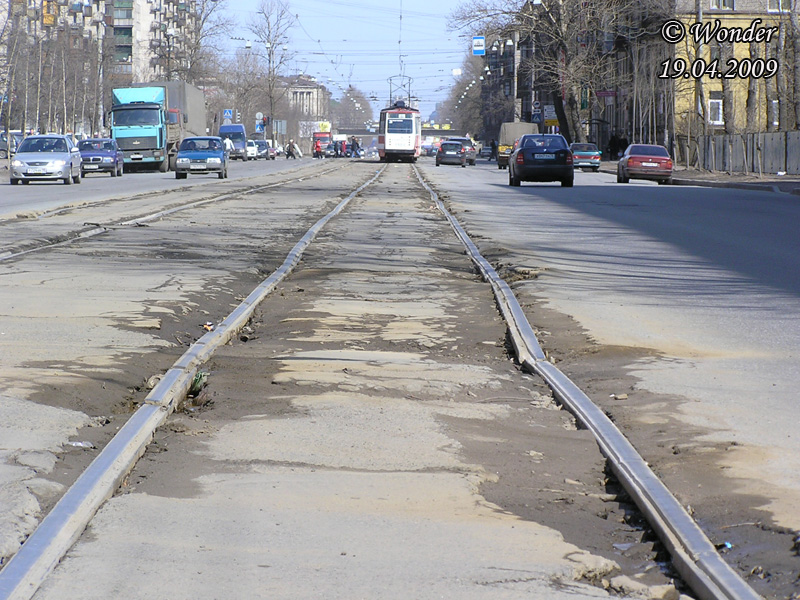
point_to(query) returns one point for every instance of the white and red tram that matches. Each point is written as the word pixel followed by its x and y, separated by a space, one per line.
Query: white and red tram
pixel 400 133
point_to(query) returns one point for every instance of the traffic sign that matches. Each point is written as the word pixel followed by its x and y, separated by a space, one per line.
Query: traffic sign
pixel 259 127
pixel 227 113
pixel 537 104
pixel 550 117
pixel 478 45
pixel 259 116
pixel 536 117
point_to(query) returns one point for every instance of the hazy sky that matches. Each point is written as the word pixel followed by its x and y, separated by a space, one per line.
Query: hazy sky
pixel 356 42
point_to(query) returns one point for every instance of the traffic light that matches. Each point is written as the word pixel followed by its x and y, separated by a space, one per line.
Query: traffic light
pixel 265 121
pixel 238 117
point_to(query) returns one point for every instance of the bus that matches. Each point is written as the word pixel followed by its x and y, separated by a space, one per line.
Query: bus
pixel 400 133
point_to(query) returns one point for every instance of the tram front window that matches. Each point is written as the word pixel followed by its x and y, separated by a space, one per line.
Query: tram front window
pixel 400 125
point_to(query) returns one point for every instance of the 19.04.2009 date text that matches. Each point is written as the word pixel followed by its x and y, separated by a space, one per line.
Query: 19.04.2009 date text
pixel 675 68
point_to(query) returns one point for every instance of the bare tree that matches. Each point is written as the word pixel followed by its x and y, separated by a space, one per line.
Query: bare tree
pixel 353 109
pixel 271 27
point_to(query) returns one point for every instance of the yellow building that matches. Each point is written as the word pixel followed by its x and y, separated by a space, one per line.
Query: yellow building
pixel 732 45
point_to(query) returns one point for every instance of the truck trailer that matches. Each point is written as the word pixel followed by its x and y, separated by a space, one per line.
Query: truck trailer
pixel 149 120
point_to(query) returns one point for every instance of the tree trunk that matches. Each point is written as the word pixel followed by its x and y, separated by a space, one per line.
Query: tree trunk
pixel 793 19
pixel 771 89
pixel 751 105
pixel 728 96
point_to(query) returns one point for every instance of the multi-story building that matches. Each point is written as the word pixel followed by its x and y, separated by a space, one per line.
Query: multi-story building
pixel 153 38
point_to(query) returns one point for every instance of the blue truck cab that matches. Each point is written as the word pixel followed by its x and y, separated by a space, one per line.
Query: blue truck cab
pixel 238 135
pixel 149 120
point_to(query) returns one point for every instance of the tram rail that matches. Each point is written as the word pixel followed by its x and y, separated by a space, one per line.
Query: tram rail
pixel 692 553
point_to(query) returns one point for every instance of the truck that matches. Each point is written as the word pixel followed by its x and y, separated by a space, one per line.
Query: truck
pixel 149 120
pixel 509 133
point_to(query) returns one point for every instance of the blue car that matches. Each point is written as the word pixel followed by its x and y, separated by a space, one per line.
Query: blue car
pixel 100 155
pixel 201 155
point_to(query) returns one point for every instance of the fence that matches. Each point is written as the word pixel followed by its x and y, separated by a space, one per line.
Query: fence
pixel 744 153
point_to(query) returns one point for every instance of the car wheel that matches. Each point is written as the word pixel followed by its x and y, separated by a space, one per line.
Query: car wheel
pixel 567 182
pixel 114 172
pixel 13 181
pixel 595 169
pixel 26 181
pixel 121 170
pixel 667 181
pixel 3 154
pixel 78 178
pixel 438 164
pixel 514 181
pixel 68 178
pixel 221 174
pixel 83 173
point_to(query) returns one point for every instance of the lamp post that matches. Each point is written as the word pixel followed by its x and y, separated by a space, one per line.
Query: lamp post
pixel 170 35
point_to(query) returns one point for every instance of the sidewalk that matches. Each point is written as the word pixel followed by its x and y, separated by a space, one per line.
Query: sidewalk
pixel 769 182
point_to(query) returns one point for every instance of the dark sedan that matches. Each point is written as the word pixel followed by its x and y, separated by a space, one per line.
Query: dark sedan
pixel 100 155
pixel 541 157
pixel 201 155
pixel 645 161
pixel 451 153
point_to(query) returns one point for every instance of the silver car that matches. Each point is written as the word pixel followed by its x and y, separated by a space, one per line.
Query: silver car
pixel 46 157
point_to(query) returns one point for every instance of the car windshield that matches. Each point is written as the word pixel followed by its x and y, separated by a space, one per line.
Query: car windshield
pixel 544 142
pixel 89 145
pixel 136 117
pixel 200 144
pixel 235 136
pixel 43 145
pixel 641 150
pixel 584 148
pixel 451 146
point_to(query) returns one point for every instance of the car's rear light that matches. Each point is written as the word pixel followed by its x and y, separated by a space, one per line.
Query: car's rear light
pixel 633 163
pixel 569 158
pixel 520 159
pixel 668 163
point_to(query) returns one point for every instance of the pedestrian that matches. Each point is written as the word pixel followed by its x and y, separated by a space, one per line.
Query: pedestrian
pixel 355 149
pixel 317 149
pixel 493 146
pixel 613 147
pixel 290 150
pixel 623 145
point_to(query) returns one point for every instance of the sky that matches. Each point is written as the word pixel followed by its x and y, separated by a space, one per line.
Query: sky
pixel 360 43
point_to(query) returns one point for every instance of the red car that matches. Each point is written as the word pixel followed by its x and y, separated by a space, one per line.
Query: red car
pixel 645 161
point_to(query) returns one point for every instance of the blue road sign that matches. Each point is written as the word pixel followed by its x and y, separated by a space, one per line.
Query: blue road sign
pixel 259 127
pixel 536 118
pixel 227 113
pixel 478 45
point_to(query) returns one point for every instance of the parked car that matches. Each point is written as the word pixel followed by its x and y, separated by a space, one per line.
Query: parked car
pixel 486 151
pixel 201 155
pixel 451 153
pixel 585 156
pixel 645 161
pixel 46 157
pixel 263 149
pixel 541 157
pixel 469 147
pixel 101 155
pixel 7 148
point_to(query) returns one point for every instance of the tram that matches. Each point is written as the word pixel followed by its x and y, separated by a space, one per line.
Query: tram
pixel 400 133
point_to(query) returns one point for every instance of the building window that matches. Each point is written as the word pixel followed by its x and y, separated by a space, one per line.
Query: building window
pixel 723 4
pixel 779 5
pixel 715 109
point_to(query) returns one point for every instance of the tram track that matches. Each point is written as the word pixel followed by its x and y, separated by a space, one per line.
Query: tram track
pixel 90 229
pixel 22 575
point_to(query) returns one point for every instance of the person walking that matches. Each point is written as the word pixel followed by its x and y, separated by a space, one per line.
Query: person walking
pixel 493 146
pixel 290 150
pixel 613 147
pixel 317 149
